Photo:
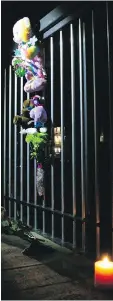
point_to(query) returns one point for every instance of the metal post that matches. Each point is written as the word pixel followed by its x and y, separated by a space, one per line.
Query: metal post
pixel 28 96
pixel 85 119
pixel 52 130
pixel 82 135
pixel 21 154
pixel 4 135
pixel 110 116
pixel 95 143
pixel 62 131
pixel 43 213
pixel 10 94
pixel 35 195
pixel 15 146
pixel 73 129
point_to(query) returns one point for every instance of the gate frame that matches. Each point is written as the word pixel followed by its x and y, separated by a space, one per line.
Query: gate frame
pixel 50 24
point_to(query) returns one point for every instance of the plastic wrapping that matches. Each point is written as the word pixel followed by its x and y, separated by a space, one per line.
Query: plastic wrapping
pixel 36 84
pixel 40 180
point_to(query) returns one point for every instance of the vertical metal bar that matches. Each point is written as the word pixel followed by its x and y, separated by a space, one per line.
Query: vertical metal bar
pixel 28 96
pixel 85 119
pixel 52 129
pixel 4 135
pixel 95 145
pixel 21 153
pixel 10 94
pixel 35 194
pixel 62 131
pixel 43 213
pixel 73 129
pixel 110 116
pixel 82 134
pixel 15 146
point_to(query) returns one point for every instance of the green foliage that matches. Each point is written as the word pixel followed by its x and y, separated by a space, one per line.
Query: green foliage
pixel 15 227
pixel 17 61
pixel 19 70
pixel 4 223
pixel 37 142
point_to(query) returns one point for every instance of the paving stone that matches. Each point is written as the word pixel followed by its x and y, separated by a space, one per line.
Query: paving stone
pixel 58 276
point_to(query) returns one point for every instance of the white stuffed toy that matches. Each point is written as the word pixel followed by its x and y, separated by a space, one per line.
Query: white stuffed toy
pixel 22 30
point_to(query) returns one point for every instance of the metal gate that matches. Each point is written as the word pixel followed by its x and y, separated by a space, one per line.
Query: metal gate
pixel 77 210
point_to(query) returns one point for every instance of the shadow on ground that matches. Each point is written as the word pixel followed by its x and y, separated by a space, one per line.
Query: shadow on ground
pixel 45 273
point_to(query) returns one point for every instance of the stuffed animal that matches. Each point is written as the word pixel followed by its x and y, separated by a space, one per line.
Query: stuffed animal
pixel 28 45
pixel 38 113
pixel 28 59
pixel 22 30
pixel 25 120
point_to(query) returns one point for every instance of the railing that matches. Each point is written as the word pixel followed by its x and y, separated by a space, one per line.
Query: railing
pixel 75 208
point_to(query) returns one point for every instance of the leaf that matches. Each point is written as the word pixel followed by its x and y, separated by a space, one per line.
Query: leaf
pixel 5 223
pixel 37 142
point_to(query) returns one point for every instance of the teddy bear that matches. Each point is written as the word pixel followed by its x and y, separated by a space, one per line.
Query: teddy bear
pixel 24 119
pixel 33 113
pixel 28 59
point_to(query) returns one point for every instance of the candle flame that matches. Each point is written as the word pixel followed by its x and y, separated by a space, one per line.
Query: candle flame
pixel 105 263
pixel 105 259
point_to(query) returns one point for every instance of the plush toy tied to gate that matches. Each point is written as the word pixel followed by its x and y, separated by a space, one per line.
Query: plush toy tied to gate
pixel 22 30
pixel 38 113
pixel 28 59
pixel 24 119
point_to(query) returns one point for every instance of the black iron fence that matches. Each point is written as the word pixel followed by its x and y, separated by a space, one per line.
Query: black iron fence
pixel 77 210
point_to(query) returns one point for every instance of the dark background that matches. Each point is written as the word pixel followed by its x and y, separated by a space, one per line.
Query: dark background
pixel 11 12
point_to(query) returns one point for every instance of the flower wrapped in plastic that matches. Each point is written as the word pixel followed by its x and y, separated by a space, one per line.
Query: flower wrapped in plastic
pixel 37 143
pixel 40 180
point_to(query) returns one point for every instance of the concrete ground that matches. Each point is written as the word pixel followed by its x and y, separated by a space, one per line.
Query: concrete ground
pixel 52 272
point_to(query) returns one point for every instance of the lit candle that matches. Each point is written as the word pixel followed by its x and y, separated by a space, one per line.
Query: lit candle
pixel 104 273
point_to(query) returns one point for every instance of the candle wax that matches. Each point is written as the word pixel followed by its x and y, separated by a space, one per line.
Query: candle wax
pixel 104 273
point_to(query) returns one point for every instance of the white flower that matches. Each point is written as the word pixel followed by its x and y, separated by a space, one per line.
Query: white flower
pixel 43 130
pixel 23 131
pixel 28 131
pixel 31 131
